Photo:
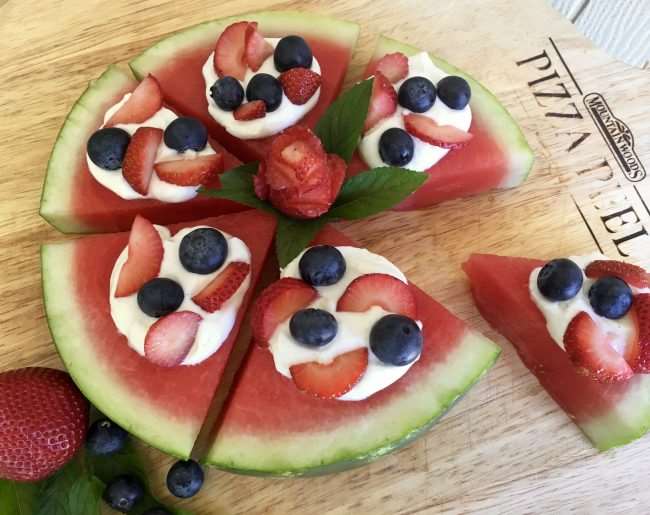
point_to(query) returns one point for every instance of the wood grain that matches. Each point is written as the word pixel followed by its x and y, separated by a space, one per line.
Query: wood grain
pixel 506 448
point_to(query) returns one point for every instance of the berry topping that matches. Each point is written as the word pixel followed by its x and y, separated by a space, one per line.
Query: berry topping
pixel 641 310
pixel 396 147
pixel 107 147
pixel 396 340
pixel 250 111
pixel 427 130
pixel 230 51
pixel 137 167
pixel 276 304
pixel 313 327
pixel 186 134
pixel 333 379
pixel 123 493
pixel 417 94
pixel 300 84
pixel 170 338
pixel 185 478
pixel 190 172
pixel 591 351
pixel 632 274
pixel 267 88
pixel 322 265
pixel 394 66
pixel 454 91
pixel 105 437
pixel 559 279
pixel 292 52
pixel 145 256
pixel 383 101
pixel 222 287
pixel 203 250
pixel 257 48
pixel 160 297
pixel 381 290
pixel 610 297
pixel 145 101
pixel 227 93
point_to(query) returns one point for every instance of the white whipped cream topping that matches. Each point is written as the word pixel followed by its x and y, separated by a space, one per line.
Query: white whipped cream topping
pixel 286 115
pixel 158 189
pixel 353 328
pixel 132 322
pixel 425 155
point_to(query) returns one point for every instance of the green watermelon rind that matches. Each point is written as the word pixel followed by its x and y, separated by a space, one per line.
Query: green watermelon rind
pixel 501 124
pixel 401 421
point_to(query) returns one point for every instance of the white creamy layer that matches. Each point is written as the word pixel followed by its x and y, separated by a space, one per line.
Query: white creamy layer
pixel 286 115
pixel 353 328
pixel 425 155
pixel 132 322
pixel 158 189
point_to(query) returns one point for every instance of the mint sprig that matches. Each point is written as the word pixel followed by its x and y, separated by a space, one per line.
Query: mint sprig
pixel 237 185
pixel 294 235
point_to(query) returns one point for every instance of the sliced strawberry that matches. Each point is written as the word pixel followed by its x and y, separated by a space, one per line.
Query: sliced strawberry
pixel 190 172
pixel 137 166
pixel 170 339
pixel 145 101
pixel 222 287
pixel 632 274
pixel 230 51
pixel 300 84
pixel 250 111
pixel 382 290
pixel 338 168
pixel 334 379
pixel 277 303
pixel 394 66
pixel 592 352
pixel 257 48
pixel 427 130
pixel 383 101
pixel 145 256
pixel 259 182
pixel 641 316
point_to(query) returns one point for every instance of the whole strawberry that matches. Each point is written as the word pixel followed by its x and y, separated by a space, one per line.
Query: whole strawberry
pixel 43 422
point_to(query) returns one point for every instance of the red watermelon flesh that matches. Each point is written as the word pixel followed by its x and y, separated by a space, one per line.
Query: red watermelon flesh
pixel 165 407
pixel 609 414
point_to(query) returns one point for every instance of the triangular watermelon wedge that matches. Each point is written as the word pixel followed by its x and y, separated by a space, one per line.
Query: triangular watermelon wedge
pixel 177 60
pixel 609 414
pixel 498 155
pixel 269 427
pixel 165 407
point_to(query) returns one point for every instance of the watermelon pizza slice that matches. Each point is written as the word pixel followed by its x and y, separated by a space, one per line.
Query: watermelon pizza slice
pixel 582 326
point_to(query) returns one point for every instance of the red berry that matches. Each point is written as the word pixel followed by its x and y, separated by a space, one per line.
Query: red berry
pixel 640 313
pixel 394 67
pixel 190 172
pixel 222 287
pixel 300 84
pixel 383 101
pixel 381 290
pixel 257 48
pixel 145 101
pixel 250 111
pixel 230 51
pixel 170 338
pixel 140 156
pixel 427 130
pixel 632 274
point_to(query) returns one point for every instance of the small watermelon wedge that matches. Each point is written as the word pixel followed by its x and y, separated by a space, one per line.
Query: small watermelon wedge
pixel 269 427
pixel 611 414
pixel 177 61
pixel 165 407
pixel 74 202
pixel 497 156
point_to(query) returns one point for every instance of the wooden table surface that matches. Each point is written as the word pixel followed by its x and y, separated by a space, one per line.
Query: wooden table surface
pixel 506 447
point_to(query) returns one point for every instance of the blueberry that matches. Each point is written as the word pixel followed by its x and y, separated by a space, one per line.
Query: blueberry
pixel 203 250
pixel 123 493
pixel 610 297
pixel 396 147
pixel 396 340
pixel 292 52
pixel 105 437
pixel 313 327
pixel 186 134
pixel 106 147
pixel 559 279
pixel 322 265
pixel 417 94
pixel 267 88
pixel 454 92
pixel 160 297
pixel 228 93
pixel 185 478
pixel 157 511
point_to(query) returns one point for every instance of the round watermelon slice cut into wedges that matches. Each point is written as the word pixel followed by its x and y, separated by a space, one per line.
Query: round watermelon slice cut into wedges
pixel 177 61
pixel 165 407
pixel 74 202
pixel 269 427
pixel 497 156
pixel 610 415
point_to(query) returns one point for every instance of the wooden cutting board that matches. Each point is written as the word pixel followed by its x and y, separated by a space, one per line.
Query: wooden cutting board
pixel 506 447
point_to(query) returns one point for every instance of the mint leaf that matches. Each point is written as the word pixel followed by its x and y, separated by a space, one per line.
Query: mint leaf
pixel 341 126
pixel 84 495
pixel 375 190
pixel 17 498
pixel 294 235
pixel 54 496
pixel 237 185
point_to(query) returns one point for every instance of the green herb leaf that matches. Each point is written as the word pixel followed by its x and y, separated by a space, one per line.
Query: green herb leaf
pixel 375 190
pixel 17 498
pixel 237 185
pixel 294 235
pixel 84 495
pixel 341 126
pixel 54 497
